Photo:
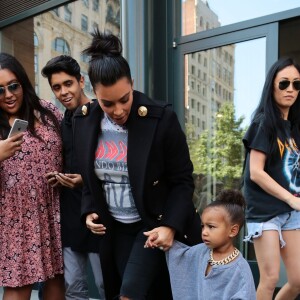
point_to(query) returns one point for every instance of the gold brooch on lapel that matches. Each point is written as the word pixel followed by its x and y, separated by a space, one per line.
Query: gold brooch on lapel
pixel 142 111
pixel 84 110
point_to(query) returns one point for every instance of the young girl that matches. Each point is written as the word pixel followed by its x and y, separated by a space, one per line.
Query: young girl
pixel 215 269
pixel 271 183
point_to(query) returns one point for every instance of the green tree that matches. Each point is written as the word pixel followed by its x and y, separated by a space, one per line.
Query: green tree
pixel 219 153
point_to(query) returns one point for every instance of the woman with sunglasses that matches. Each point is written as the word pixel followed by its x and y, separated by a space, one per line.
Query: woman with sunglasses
pixel 30 244
pixel 272 180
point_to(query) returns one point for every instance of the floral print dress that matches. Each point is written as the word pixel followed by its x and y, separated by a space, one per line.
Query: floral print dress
pixel 30 243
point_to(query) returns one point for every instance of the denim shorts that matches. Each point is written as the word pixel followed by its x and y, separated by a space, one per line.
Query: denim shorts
pixel 285 221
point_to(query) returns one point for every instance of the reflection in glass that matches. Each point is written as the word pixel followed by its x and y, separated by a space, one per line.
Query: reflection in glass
pixel 200 15
pixel 63 30
pixel 217 84
pixel 222 88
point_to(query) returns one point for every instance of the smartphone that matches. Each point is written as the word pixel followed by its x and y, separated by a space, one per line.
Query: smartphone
pixel 17 127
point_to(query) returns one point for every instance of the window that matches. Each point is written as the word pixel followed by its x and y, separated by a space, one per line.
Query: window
pixel 56 11
pixel 35 40
pixel 94 25
pixel 57 31
pixel 85 3
pixel 61 46
pixel 36 61
pixel 84 23
pixel 95 5
pixel 87 84
pixel 68 14
pixel 193 70
pixel 84 57
pixel 193 103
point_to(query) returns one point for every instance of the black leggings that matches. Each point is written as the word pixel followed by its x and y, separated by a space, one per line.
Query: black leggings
pixel 143 271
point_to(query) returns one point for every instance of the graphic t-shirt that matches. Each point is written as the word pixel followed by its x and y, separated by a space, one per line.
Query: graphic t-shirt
pixel 282 165
pixel 111 169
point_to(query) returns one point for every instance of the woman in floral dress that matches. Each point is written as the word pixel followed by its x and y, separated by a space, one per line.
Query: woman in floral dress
pixel 30 244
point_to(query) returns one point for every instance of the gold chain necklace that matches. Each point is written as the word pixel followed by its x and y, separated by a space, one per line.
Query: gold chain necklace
pixel 223 261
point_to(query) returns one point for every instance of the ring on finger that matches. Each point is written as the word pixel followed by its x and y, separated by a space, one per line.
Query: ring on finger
pixel 161 248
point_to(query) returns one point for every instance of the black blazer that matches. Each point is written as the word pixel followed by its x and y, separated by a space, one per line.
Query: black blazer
pixel 159 167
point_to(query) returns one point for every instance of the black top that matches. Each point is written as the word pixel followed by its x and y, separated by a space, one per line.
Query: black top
pixel 74 232
pixel 281 164
pixel 160 173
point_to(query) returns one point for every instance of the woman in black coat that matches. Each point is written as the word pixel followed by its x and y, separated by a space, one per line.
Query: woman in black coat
pixel 135 164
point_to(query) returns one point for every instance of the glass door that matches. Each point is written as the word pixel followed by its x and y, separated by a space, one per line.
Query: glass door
pixel 217 88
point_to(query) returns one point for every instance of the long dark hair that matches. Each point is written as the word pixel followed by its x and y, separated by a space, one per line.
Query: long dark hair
pixel 106 65
pixel 267 110
pixel 31 101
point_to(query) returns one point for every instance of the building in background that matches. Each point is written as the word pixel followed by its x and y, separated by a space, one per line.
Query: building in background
pixel 66 30
pixel 209 74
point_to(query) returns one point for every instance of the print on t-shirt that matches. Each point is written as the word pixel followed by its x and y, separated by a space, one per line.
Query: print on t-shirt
pixel 291 164
pixel 111 169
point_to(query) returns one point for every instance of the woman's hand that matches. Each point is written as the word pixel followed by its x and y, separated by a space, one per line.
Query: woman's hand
pixel 51 178
pixel 294 202
pixel 91 224
pixel 160 237
pixel 9 146
pixel 69 180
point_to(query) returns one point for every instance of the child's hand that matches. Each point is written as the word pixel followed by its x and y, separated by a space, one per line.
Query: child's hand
pixel 150 243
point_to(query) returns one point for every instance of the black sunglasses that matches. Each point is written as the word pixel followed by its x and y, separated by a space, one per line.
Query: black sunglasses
pixel 284 84
pixel 13 88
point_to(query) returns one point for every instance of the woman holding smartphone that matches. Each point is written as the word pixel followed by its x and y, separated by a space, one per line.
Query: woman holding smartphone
pixel 30 244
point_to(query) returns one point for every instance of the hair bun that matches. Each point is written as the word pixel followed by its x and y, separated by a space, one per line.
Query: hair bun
pixel 104 44
pixel 231 196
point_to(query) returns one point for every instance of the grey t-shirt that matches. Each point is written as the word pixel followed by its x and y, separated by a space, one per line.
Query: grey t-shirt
pixel 111 169
pixel 187 266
